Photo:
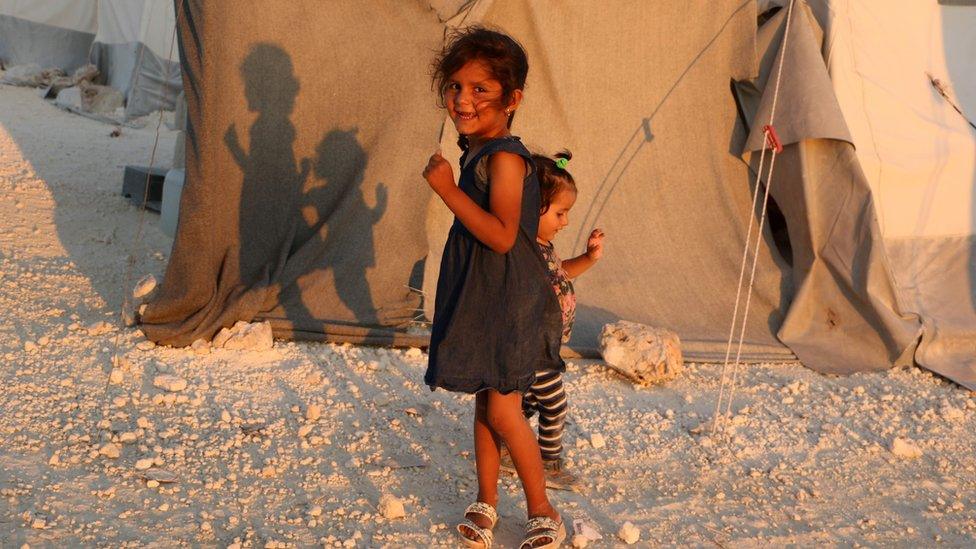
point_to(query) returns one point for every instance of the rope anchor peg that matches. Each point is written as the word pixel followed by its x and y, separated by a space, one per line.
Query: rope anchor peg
pixel 772 139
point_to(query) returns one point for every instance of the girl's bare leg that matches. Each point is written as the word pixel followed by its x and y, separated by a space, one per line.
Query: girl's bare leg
pixel 487 447
pixel 504 419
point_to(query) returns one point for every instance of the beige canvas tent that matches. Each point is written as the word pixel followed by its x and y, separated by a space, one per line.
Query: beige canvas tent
pixel 304 204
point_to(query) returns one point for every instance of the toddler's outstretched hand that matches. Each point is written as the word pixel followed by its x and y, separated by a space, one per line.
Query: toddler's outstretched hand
pixel 594 246
pixel 438 173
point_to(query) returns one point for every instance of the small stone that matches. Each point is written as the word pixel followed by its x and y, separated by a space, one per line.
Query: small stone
pixel 905 448
pixel 128 437
pixel 99 328
pixel 143 464
pixel 152 483
pixel 580 541
pixel 225 416
pixel 30 346
pixel 304 430
pixel 146 345
pixel 414 352
pixel 116 376
pixel 313 412
pixel 201 347
pixel 110 450
pixel 205 526
pixel 55 459
pixel 38 523
pixel 391 507
pixel 315 511
pixel 169 382
pixel 629 533
pixel 43 340
pixel 145 285
pixel 597 440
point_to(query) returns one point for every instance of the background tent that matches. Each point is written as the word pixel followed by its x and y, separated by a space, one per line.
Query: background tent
pixel 52 33
pixel 135 52
pixel 918 154
pixel 304 203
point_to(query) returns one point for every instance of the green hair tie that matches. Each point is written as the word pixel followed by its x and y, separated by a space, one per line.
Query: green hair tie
pixel 561 163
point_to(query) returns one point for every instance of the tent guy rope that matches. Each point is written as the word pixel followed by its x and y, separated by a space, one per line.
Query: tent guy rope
pixel 134 247
pixel 770 141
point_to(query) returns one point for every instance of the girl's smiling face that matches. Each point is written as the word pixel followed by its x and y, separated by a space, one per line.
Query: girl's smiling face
pixel 557 216
pixel 474 102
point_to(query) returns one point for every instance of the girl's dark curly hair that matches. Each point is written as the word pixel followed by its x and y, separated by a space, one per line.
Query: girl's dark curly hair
pixel 552 178
pixel 503 55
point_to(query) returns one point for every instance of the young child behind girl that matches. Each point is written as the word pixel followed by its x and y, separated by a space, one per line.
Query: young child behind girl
pixel 547 396
pixel 496 322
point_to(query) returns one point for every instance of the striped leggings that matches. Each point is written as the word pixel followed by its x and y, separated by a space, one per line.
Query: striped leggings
pixel 548 397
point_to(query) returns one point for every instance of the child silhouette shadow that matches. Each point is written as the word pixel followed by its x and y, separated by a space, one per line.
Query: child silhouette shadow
pixel 337 212
pixel 273 181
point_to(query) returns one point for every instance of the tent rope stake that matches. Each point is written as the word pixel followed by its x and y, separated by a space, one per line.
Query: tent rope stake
pixel 770 141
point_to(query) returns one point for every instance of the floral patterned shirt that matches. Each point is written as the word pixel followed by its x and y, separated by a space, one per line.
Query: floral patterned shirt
pixel 562 285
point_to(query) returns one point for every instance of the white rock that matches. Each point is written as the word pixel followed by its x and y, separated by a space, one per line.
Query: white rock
pixel 145 285
pixel 99 328
pixel 643 354
pixel 201 347
pixel 221 338
pixel 391 507
pixel 597 440
pixel 169 382
pixel 313 412
pixel 247 337
pixel 116 376
pixel 905 448
pixel 414 352
pixel 629 533
pixel 110 450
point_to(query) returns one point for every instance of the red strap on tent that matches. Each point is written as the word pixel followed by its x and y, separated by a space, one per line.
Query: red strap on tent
pixel 772 138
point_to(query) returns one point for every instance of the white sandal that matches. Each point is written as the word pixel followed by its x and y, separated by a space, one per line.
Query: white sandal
pixel 545 530
pixel 484 537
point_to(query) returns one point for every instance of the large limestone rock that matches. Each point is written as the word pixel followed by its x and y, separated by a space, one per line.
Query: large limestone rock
pixel 643 354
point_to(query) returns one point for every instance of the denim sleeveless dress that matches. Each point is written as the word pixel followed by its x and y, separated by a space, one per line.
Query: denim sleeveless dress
pixel 496 319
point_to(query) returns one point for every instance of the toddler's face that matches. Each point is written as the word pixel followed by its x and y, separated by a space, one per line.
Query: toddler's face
pixel 473 98
pixel 557 216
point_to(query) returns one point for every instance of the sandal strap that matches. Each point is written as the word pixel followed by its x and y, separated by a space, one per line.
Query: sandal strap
pixel 486 535
pixel 544 524
pixel 483 509
pixel 541 528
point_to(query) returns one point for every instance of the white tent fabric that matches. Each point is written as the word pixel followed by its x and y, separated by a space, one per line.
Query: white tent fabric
pixel 918 154
pixel 53 33
pixel 136 52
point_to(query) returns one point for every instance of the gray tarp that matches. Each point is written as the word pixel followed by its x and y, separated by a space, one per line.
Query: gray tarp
pixel 304 204
pixel 23 41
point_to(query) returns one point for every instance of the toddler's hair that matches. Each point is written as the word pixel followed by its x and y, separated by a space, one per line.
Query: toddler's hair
pixel 552 178
pixel 503 55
